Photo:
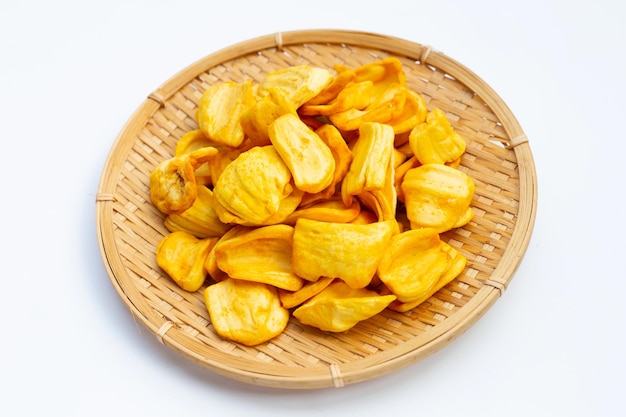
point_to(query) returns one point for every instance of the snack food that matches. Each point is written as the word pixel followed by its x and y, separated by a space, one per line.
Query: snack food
pixel 306 178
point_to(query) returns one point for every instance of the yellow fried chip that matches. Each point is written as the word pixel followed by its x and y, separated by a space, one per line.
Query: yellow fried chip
pixel 331 210
pixel 173 185
pixel 261 255
pixel 252 188
pixel 245 312
pixel 309 159
pixel 413 263
pixel 371 156
pixel 339 307
pixel 339 250
pixel 458 262
pixel 220 109
pixel 201 219
pixel 291 299
pixel 437 196
pixel 210 264
pixel 182 256
pixel 435 141
pixel 299 83
pixel 257 119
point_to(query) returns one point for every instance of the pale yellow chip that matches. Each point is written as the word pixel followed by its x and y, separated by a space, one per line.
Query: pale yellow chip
pixel 339 307
pixel 245 312
pixel 347 251
pixel 309 159
pixel 298 83
pixel 261 255
pixel 252 188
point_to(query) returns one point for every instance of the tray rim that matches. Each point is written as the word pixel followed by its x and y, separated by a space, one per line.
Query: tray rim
pixel 374 365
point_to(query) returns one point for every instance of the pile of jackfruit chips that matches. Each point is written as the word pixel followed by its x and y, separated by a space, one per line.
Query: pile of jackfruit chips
pixel 315 193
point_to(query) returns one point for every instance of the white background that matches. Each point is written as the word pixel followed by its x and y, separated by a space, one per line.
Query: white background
pixel 73 72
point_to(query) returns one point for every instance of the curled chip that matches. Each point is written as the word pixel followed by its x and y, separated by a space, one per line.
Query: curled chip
pixel 413 264
pixel 245 312
pixel 255 188
pixel 220 109
pixel 182 256
pixel 192 141
pixel 437 196
pixel 309 159
pixel 261 255
pixel 339 307
pixel 347 251
pixel 173 185
pixel 435 141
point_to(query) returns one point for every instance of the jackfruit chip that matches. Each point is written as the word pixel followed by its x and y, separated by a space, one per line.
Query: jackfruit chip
pixel 457 265
pixel 331 210
pixel 414 113
pixel 257 119
pixel 382 109
pixel 309 159
pixel 339 307
pixel 261 255
pixel 299 83
pixel 210 264
pixel 245 312
pixel 220 109
pixel 173 185
pixel 435 141
pixel 371 156
pixel 339 250
pixel 182 256
pixel 413 263
pixel 291 299
pixel 437 196
pixel 201 219
pixel 252 187
pixel 343 77
pixel 191 141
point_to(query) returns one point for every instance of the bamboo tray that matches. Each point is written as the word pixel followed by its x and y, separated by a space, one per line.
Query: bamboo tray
pixel 498 158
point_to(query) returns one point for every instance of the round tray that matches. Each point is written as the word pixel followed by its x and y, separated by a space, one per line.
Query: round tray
pixel 498 158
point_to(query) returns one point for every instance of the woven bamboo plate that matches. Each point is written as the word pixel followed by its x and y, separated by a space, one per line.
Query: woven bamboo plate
pixel 498 158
